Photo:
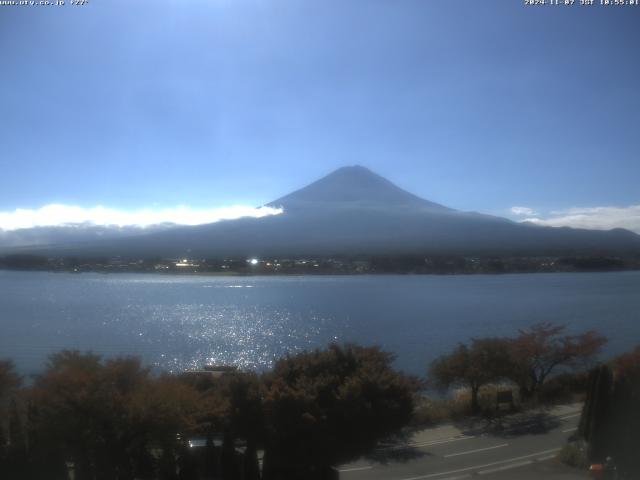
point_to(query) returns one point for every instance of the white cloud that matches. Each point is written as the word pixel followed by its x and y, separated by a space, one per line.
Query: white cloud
pixel 599 218
pixel 523 211
pixel 59 215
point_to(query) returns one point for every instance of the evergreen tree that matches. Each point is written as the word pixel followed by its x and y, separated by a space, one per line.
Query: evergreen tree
pixel 594 422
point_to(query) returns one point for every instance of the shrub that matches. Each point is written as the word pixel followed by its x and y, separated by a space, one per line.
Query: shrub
pixel 430 411
pixel 564 388
pixel 574 456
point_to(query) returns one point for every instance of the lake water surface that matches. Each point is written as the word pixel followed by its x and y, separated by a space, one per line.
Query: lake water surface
pixel 178 322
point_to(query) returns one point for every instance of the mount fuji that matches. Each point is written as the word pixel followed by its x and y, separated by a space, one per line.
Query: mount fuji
pixel 354 211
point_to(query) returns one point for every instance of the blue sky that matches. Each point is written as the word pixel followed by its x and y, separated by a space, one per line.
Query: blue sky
pixel 477 105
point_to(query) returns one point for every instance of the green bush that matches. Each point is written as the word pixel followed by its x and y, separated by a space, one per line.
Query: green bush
pixel 574 456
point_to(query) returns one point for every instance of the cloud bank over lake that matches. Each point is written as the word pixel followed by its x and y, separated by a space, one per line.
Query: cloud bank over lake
pixel 54 215
pixel 596 218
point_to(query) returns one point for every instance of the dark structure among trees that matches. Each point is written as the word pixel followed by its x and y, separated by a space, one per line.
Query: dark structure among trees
pixel 610 422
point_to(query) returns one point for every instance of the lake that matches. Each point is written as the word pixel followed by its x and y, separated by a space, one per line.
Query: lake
pixel 178 322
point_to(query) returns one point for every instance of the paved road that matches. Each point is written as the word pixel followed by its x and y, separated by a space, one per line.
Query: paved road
pixel 521 446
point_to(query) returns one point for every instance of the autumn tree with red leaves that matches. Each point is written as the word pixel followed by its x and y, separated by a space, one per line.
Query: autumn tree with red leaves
pixel 542 348
pixel 483 361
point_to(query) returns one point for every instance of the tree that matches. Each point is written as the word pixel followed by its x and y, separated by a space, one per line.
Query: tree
pixel 330 406
pixel 485 360
pixel 231 403
pixel 594 421
pixel 246 417
pixel 11 430
pixel 542 348
pixel 105 415
pixel 625 414
pixel 9 379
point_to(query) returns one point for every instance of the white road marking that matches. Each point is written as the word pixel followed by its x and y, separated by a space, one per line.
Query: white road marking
pixel 516 465
pixel 569 429
pixel 476 467
pixel 440 442
pixel 571 416
pixel 505 467
pixel 546 457
pixel 355 469
pixel 476 450
pixel 429 443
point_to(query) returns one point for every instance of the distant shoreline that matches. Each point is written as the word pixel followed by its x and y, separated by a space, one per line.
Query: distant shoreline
pixel 233 274
pixel 324 265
